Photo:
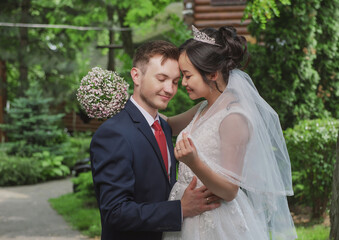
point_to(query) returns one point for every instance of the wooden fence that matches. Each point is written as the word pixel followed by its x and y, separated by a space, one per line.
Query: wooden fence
pixel 75 122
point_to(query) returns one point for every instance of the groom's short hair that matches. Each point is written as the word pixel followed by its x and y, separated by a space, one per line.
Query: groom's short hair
pixel 150 49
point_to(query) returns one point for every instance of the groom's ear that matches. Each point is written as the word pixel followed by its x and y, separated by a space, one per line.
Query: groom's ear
pixel 136 75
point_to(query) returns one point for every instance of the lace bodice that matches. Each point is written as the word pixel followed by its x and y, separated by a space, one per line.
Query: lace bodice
pixel 205 136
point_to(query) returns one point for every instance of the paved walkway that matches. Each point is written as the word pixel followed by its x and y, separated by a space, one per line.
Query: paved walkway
pixel 25 213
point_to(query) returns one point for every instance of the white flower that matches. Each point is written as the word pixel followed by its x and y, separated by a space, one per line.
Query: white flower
pixel 102 93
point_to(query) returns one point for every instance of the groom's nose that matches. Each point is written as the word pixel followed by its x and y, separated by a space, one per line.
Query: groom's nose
pixel 169 87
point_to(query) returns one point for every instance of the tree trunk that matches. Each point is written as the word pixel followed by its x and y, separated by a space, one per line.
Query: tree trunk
pixel 23 32
pixel 3 96
pixel 126 36
pixel 111 63
pixel 334 211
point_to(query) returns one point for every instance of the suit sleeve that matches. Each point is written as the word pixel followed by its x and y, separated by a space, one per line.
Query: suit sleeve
pixel 113 176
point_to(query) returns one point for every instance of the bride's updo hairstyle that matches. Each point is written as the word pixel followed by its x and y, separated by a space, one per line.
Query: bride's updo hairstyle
pixel 227 54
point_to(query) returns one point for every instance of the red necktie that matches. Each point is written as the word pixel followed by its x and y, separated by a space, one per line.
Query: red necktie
pixel 161 139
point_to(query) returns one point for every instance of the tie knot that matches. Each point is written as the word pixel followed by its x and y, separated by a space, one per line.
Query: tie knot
pixel 156 126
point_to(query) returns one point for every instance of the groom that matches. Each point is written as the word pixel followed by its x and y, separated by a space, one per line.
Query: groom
pixel 132 157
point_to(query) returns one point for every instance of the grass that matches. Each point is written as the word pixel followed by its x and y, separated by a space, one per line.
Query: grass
pixel 86 219
pixel 313 232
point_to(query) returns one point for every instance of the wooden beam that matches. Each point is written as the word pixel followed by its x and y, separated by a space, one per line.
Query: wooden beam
pixel 209 8
pixel 111 46
pixel 218 15
pixel 202 2
pixel 219 23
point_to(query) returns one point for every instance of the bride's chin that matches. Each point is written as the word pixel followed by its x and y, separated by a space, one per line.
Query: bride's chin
pixel 192 97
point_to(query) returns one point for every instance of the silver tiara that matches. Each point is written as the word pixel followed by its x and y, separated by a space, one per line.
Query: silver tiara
pixel 202 37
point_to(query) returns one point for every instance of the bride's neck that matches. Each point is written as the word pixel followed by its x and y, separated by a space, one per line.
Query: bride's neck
pixel 212 98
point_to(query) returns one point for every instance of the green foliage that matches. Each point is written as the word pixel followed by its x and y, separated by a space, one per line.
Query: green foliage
pixel 263 10
pixel 57 58
pixel 316 232
pixel 18 170
pixel 85 188
pixel 51 166
pixel 140 12
pixel 327 54
pixel 290 67
pixel 76 211
pixel 47 55
pixel 179 33
pixel 44 165
pixel 31 126
pixel 311 145
pixel 75 149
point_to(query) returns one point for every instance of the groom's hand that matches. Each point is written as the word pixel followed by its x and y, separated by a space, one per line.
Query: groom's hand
pixel 198 200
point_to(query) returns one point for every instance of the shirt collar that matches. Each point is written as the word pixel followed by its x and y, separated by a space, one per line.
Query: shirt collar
pixel 150 120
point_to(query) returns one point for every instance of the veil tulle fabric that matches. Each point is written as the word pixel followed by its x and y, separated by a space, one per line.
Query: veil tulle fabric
pixel 264 170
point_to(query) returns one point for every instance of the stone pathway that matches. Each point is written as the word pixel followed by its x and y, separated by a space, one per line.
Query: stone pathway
pixel 25 213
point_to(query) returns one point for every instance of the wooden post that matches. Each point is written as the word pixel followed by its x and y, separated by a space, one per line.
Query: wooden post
pixel 3 96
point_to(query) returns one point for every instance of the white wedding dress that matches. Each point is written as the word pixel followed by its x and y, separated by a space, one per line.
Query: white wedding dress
pixel 240 138
pixel 232 220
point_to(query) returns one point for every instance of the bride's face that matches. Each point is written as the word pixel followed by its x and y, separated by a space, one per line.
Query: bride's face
pixel 192 80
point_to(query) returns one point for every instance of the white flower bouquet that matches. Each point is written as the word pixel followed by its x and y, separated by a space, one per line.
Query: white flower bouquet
pixel 102 93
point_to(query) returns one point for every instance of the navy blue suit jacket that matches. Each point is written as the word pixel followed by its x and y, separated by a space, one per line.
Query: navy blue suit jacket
pixel 130 179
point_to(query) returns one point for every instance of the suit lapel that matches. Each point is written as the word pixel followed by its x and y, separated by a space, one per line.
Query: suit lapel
pixel 141 123
pixel 168 135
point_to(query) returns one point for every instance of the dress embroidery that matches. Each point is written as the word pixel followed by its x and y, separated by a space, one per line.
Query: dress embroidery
pixel 232 220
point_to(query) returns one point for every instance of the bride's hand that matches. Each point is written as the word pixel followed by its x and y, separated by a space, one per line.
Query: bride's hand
pixel 185 151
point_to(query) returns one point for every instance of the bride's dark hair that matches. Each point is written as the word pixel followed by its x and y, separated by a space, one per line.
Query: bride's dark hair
pixel 210 58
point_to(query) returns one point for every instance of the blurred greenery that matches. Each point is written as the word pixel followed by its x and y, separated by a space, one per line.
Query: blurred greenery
pixel 84 188
pixel 32 126
pixel 295 61
pixel 44 165
pixel 80 216
pixel 15 170
pixel 262 11
pixel 312 148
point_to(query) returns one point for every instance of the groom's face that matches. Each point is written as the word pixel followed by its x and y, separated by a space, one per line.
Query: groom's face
pixel 158 83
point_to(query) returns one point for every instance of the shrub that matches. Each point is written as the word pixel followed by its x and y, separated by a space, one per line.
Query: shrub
pixel 31 127
pixel 85 188
pixel 312 148
pixel 51 166
pixel 75 149
pixel 18 170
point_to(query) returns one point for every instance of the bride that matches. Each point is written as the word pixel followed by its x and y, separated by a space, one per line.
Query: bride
pixel 234 145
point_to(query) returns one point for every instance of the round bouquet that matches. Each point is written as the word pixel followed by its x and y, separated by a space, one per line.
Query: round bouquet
pixel 102 93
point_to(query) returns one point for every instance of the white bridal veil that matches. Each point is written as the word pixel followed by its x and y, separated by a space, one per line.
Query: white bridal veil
pixel 261 166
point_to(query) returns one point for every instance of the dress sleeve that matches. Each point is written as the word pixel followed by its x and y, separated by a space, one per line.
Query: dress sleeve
pixel 234 134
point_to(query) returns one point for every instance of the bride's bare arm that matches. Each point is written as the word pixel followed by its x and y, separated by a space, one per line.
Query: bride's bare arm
pixel 180 121
pixel 234 136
